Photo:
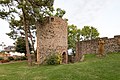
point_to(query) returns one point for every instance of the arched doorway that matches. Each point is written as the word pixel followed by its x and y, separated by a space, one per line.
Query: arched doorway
pixel 64 57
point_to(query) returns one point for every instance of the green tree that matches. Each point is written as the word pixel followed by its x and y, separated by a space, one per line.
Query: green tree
pixel 21 45
pixel 89 32
pixel 9 10
pixel 31 13
pixel 94 33
pixel 86 32
pixel 74 35
pixel 59 12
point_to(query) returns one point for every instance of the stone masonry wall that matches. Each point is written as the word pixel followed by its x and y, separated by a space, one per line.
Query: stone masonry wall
pixel 91 46
pixel 53 37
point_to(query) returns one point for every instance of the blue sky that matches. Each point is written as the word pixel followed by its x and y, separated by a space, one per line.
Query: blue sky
pixel 102 14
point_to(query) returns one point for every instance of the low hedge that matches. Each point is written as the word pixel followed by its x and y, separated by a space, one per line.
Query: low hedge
pixel 1 58
pixel 10 58
pixel 4 61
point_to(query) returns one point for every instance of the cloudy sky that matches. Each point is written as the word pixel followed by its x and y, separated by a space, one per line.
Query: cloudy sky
pixel 102 14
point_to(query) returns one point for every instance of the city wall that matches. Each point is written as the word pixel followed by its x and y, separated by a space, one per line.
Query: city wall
pixel 91 46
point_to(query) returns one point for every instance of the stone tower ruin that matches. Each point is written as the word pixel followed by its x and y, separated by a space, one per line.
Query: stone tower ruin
pixel 53 39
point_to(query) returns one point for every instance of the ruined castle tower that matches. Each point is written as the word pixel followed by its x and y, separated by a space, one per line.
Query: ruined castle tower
pixel 52 39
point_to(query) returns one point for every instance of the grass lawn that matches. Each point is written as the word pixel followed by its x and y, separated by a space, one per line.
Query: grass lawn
pixel 93 68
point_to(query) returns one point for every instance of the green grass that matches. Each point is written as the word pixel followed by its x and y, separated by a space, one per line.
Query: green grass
pixel 93 68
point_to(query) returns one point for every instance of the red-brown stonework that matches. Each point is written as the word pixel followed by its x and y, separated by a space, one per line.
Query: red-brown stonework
pixel 52 39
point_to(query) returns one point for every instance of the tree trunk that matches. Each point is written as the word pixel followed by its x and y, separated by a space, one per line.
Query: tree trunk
pixel 38 42
pixel 32 44
pixel 26 38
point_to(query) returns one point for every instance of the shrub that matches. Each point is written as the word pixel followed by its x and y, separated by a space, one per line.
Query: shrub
pixel 59 58
pixel 1 58
pixel 10 58
pixel 23 58
pixel 17 58
pixel 52 60
pixel 4 61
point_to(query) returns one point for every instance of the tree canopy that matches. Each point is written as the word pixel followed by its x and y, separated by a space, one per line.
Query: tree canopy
pixel 76 35
pixel 20 45
pixel 89 32
pixel 73 36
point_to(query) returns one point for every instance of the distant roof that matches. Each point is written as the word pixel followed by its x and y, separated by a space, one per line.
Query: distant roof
pixel 9 48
